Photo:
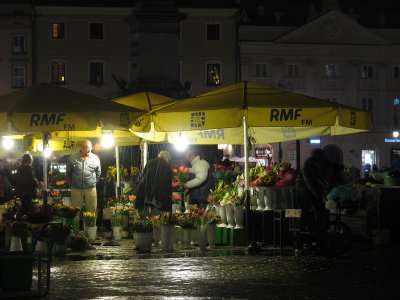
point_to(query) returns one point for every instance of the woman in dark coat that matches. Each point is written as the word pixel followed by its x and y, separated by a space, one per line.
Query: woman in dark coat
pixel 154 193
pixel 25 183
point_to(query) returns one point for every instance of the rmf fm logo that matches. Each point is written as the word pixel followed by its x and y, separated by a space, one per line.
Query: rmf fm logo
pixel 197 119
pixel 353 118
pixel 124 119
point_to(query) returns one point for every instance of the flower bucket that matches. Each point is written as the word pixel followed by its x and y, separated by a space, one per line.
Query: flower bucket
pixel 156 237
pixel 222 212
pixel 116 233
pixel 91 231
pixel 230 217
pixel 267 199
pixel 16 244
pixel 167 237
pixel 202 237
pixel 239 211
pixel 144 241
pixel 40 247
pixel 211 235
pixel 187 237
pixel 260 198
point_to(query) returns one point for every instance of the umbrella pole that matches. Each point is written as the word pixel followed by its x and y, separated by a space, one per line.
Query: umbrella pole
pixel 45 142
pixel 117 187
pixel 145 153
pixel 249 237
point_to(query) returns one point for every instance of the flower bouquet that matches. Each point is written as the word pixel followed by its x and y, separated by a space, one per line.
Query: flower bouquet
pixel 89 218
pixel 212 218
pixel 218 194
pixel 167 218
pixel 10 208
pixel 40 214
pixel 344 196
pixel 78 241
pixel 65 210
pixel 187 220
pixel 141 223
pixel 180 175
pixel 116 220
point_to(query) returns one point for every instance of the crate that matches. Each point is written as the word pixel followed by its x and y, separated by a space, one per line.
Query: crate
pixel 358 223
pixel 293 217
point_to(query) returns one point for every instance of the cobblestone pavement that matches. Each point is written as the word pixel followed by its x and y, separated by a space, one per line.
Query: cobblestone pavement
pixel 121 273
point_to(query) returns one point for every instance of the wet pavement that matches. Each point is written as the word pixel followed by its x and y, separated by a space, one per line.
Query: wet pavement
pixel 225 273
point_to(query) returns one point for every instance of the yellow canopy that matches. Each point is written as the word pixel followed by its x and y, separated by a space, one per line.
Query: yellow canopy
pixel 146 101
pixel 45 107
pixel 272 115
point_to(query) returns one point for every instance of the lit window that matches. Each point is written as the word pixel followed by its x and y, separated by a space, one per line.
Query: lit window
pixel 96 31
pixel 18 44
pixel 396 72
pixel 213 74
pixel 213 32
pixel 96 73
pixel 58 31
pixel 294 70
pixel 367 71
pixel 261 70
pixel 58 72
pixel 331 70
pixel 18 76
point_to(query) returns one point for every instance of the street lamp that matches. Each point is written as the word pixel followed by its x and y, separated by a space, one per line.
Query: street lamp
pixel 181 143
pixel 396 104
pixel 7 142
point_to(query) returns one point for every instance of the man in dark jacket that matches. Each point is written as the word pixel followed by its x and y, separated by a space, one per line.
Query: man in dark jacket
pixel 311 186
pixel 154 193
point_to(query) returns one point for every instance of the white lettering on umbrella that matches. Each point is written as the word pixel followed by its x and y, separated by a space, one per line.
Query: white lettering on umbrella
pixel 212 134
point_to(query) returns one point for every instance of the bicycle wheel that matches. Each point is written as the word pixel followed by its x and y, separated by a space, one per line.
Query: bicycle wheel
pixel 337 238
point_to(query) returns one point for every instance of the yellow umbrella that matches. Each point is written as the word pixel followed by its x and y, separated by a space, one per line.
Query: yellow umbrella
pixel 43 108
pixel 269 114
pixel 147 101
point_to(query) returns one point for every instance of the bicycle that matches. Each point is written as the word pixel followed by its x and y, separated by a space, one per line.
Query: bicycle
pixel 334 238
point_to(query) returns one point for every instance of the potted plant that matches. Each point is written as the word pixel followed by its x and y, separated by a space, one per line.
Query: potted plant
pixel 143 227
pixel 78 241
pixel 90 224
pixel 116 224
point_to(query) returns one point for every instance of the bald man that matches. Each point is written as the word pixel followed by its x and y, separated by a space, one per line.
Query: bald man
pixel 83 172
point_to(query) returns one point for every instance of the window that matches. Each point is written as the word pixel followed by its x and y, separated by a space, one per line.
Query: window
pixel 368 105
pixel 18 76
pixel 58 31
pixel 18 45
pixel 367 71
pixel 294 70
pixel 96 73
pixel 96 31
pixel 261 70
pixel 58 72
pixel 331 71
pixel 213 74
pixel 396 72
pixel 213 33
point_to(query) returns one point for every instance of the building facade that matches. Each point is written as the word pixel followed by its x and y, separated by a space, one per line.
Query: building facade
pixel 334 58
pixel 327 54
